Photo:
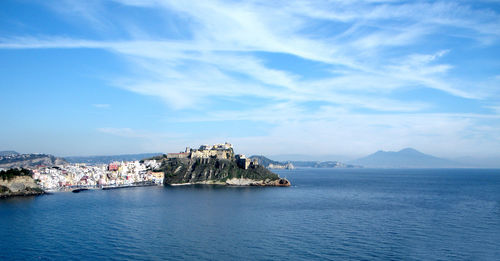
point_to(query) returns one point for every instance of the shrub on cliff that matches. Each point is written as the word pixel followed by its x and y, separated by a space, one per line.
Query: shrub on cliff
pixel 196 170
pixel 4 189
pixel 11 173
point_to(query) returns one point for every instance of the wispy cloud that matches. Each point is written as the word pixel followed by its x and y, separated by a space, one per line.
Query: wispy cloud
pixel 233 28
pixel 369 51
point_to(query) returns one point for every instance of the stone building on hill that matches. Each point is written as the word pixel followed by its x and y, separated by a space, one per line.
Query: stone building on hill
pixel 244 162
pixel 217 151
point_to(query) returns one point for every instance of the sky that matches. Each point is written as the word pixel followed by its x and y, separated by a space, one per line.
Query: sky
pixel 341 77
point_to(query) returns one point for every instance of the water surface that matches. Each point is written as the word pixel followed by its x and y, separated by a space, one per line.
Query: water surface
pixel 327 214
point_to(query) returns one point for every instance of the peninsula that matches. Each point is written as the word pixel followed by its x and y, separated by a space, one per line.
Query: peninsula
pixel 216 164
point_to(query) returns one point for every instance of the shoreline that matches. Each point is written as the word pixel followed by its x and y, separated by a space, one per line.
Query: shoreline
pixel 239 182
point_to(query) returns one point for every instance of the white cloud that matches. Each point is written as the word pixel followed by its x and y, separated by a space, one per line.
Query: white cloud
pixel 223 32
pixel 358 135
pixel 363 67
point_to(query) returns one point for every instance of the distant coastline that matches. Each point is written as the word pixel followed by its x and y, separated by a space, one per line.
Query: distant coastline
pixel 208 165
pixel 215 165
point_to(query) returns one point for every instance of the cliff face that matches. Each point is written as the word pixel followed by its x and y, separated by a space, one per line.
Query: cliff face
pixel 217 171
pixel 19 186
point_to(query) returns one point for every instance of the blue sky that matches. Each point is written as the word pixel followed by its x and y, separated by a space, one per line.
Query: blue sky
pixel 272 77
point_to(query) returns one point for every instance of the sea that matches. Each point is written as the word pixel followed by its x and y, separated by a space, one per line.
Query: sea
pixel 327 214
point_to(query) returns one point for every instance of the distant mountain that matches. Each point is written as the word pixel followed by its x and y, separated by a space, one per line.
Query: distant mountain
pixel 8 152
pixel 406 158
pixel 29 160
pixel 110 158
pixel 271 164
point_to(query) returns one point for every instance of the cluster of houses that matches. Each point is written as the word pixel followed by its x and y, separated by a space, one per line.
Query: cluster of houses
pixel 82 175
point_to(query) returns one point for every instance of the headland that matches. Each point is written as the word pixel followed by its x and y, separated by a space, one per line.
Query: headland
pixel 216 164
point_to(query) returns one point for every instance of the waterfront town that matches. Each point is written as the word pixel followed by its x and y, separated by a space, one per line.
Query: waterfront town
pixel 61 175
pixel 78 175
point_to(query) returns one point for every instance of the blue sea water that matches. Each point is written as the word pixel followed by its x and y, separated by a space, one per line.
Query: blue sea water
pixel 328 214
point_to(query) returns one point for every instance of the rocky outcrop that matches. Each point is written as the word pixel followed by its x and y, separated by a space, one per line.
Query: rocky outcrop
pixel 217 171
pixel 19 186
pixel 287 165
pixel 281 182
pixel 271 164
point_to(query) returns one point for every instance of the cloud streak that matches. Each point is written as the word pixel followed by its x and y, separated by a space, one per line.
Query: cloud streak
pixel 369 53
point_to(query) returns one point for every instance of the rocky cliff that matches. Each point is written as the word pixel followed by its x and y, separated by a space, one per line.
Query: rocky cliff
pixel 217 171
pixel 19 186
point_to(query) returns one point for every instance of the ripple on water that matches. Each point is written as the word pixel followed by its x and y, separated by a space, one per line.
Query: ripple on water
pixel 326 215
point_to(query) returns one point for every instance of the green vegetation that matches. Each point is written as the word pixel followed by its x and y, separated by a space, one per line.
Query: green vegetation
pixel 35 190
pixel 198 170
pixel 266 161
pixel 22 157
pixel 159 157
pixel 11 173
pixel 4 189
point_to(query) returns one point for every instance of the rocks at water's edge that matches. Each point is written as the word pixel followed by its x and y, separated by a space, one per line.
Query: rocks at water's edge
pixel 281 182
pixel 19 186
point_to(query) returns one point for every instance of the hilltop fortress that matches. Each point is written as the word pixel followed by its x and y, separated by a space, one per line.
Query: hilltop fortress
pixel 217 151
pixel 216 164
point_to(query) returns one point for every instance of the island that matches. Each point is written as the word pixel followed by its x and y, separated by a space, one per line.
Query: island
pixel 216 164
